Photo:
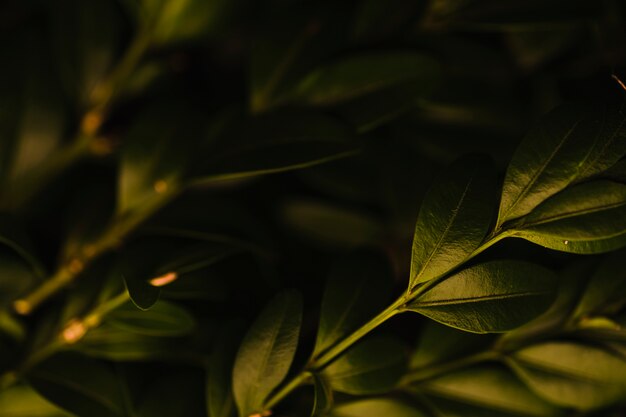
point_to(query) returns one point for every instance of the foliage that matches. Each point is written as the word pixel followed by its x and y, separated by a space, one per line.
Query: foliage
pixel 207 208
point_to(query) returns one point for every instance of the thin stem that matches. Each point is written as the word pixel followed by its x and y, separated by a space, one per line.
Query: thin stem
pixel 297 381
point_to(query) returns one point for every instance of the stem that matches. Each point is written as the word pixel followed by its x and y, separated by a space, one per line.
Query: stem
pixel 298 380
pixel 110 239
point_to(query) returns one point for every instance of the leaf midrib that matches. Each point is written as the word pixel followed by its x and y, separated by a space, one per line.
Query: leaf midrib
pixel 493 297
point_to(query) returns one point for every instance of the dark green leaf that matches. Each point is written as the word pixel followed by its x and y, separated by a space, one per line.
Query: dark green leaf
pixel 22 401
pixel 453 220
pixel 495 296
pixel 219 395
pixel 376 407
pixel 108 342
pixel 16 276
pixel 373 366
pixel 78 384
pixel 572 143
pixel 572 374
pixel 323 401
pixel 163 319
pixel 486 391
pixel 358 287
pixel 586 218
pixel 331 225
pixel 266 353
pixel 359 75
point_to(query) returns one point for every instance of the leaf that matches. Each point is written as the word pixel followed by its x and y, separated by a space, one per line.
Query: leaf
pixel 358 287
pixel 219 395
pixel 16 276
pixel 485 391
pixel 111 343
pixel 496 296
pixel 438 344
pixel 572 143
pixel 453 220
pixel 164 319
pixel 359 75
pixel 605 288
pixel 331 225
pixel 85 43
pixel 78 384
pixel 278 142
pixel 266 352
pixel 572 374
pixel 22 401
pixel 586 218
pixel 376 407
pixel 323 400
pixel 373 366
pixel 154 155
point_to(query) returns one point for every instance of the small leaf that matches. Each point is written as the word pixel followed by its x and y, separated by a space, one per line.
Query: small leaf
pixel 572 143
pixel 360 75
pixel 572 374
pixel 453 220
pixel 373 366
pixel 22 401
pixel 492 297
pixel 266 353
pixel 376 407
pixel 486 391
pixel 78 384
pixel 323 401
pixel 163 319
pixel 358 287
pixel 586 218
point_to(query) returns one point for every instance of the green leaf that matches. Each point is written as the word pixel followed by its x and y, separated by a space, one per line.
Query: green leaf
pixel 281 141
pixel 163 319
pixel 492 297
pixel 605 288
pixel 78 384
pixel 86 43
pixel 572 143
pixel 154 155
pixel 363 74
pixel 219 395
pixel 358 287
pixel 331 225
pixel 111 343
pixel 376 407
pixel 16 276
pixel 572 374
pixel 485 391
pixel 586 218
pixel 22 401
pixel 454 219
pixel 266 352
pixel 373 366
pixel 438 344
pixel 323 400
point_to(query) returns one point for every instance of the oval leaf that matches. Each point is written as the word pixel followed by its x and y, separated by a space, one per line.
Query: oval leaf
pixel 488 391
pixel 376 407
pixel 572 374
pixel 572 143
pixel 495 296
pixel 266 352
pixel 323 400
pixel 78 384
pixel 371 367
pixel 357 289
pixel 163 319
pixel 586 218
pixel 454 219
pixel 23 401
pixel 360 75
